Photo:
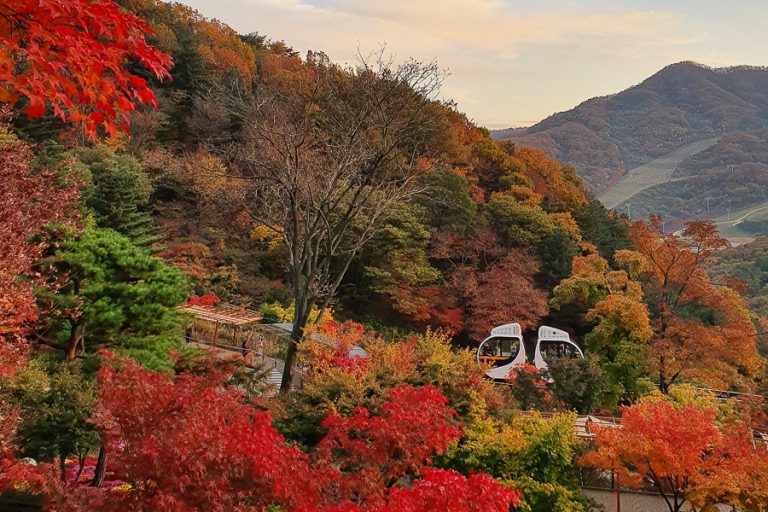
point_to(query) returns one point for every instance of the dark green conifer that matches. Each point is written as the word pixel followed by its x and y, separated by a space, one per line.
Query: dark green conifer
pixel 120 195
pixel 115 295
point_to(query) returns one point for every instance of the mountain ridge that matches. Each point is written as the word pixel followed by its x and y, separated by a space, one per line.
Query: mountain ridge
pixel 606 136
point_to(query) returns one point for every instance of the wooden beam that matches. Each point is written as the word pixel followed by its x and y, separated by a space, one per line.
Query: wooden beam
pixel 223 314
pixel 216 333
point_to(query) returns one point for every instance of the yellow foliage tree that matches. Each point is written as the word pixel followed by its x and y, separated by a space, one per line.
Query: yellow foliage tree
pixel 622 329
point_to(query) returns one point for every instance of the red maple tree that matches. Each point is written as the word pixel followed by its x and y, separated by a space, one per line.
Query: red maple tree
pixel 29 201
pixel 505 292
pixel 367 454
pixel 449 491
pixel 71 56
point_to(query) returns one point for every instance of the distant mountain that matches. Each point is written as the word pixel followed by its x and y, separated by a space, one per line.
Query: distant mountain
pixel 605 137
pixel 506 133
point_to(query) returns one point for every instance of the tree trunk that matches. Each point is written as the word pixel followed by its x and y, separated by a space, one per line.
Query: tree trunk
pixel 300 317
pixel 101 467
pixel 62 467
pixel 80 466
pixel 663 385
pixel 74 340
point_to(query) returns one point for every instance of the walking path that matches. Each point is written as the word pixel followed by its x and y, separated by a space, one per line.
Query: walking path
pixel 277 365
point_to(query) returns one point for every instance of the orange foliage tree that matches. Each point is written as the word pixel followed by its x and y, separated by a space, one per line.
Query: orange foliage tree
pixel 222 51
pixel 620 320
pixel 683 454
pixel 702 331
pixel 70 55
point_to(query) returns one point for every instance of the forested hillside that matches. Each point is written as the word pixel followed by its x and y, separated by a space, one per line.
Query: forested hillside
pixel 605 137
pixel 744 267
pixel 495 217
pixel 159 169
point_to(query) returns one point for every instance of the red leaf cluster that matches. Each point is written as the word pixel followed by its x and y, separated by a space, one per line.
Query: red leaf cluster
pixel 369 453
pixel 449 491
pixel 208 299
pixel 70 55
pixel 9 466
pixel 343 336
pixel 190 443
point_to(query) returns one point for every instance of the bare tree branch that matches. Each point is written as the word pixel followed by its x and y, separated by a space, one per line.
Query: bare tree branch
pixel 321 161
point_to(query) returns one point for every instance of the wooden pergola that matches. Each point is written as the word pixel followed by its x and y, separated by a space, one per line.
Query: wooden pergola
pixel 233 328
pixel 233 319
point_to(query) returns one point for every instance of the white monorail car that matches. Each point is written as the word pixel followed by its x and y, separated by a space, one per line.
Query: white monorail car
pixel 554 343
pixel 503 349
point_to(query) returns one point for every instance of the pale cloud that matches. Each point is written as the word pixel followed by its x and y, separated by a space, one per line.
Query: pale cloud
pixel 511 62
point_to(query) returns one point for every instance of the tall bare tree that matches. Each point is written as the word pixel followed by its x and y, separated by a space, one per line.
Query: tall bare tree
pixel 323 158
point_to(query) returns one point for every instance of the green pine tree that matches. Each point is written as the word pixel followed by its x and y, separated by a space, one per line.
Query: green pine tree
pixel 120 194
pixel 116 295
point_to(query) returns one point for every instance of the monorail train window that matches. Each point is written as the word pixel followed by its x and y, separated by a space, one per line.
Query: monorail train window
pixel 557 350
pixel 508 347
pixel 491 348
pixel 498 349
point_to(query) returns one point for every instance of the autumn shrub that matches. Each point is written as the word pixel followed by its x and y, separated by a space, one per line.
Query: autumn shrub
pixel 534 454
pixel 274 313
pixel 528 387
pixel 188 442
pixel 577 383
pixel 333 380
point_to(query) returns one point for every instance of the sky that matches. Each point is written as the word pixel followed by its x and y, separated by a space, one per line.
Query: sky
pixel 515 62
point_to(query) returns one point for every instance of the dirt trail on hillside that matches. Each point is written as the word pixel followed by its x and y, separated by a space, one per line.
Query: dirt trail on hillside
pixel 653 173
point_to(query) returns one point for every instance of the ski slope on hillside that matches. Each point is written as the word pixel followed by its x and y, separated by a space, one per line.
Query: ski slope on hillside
pixel 653 173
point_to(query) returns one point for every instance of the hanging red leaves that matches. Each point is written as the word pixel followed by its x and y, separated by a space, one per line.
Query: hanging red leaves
pixel 71 56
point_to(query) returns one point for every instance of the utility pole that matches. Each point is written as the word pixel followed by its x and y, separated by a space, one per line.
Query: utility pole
pixel 729 210
pixel 629 216
pixel 731 166
pixel 708 198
